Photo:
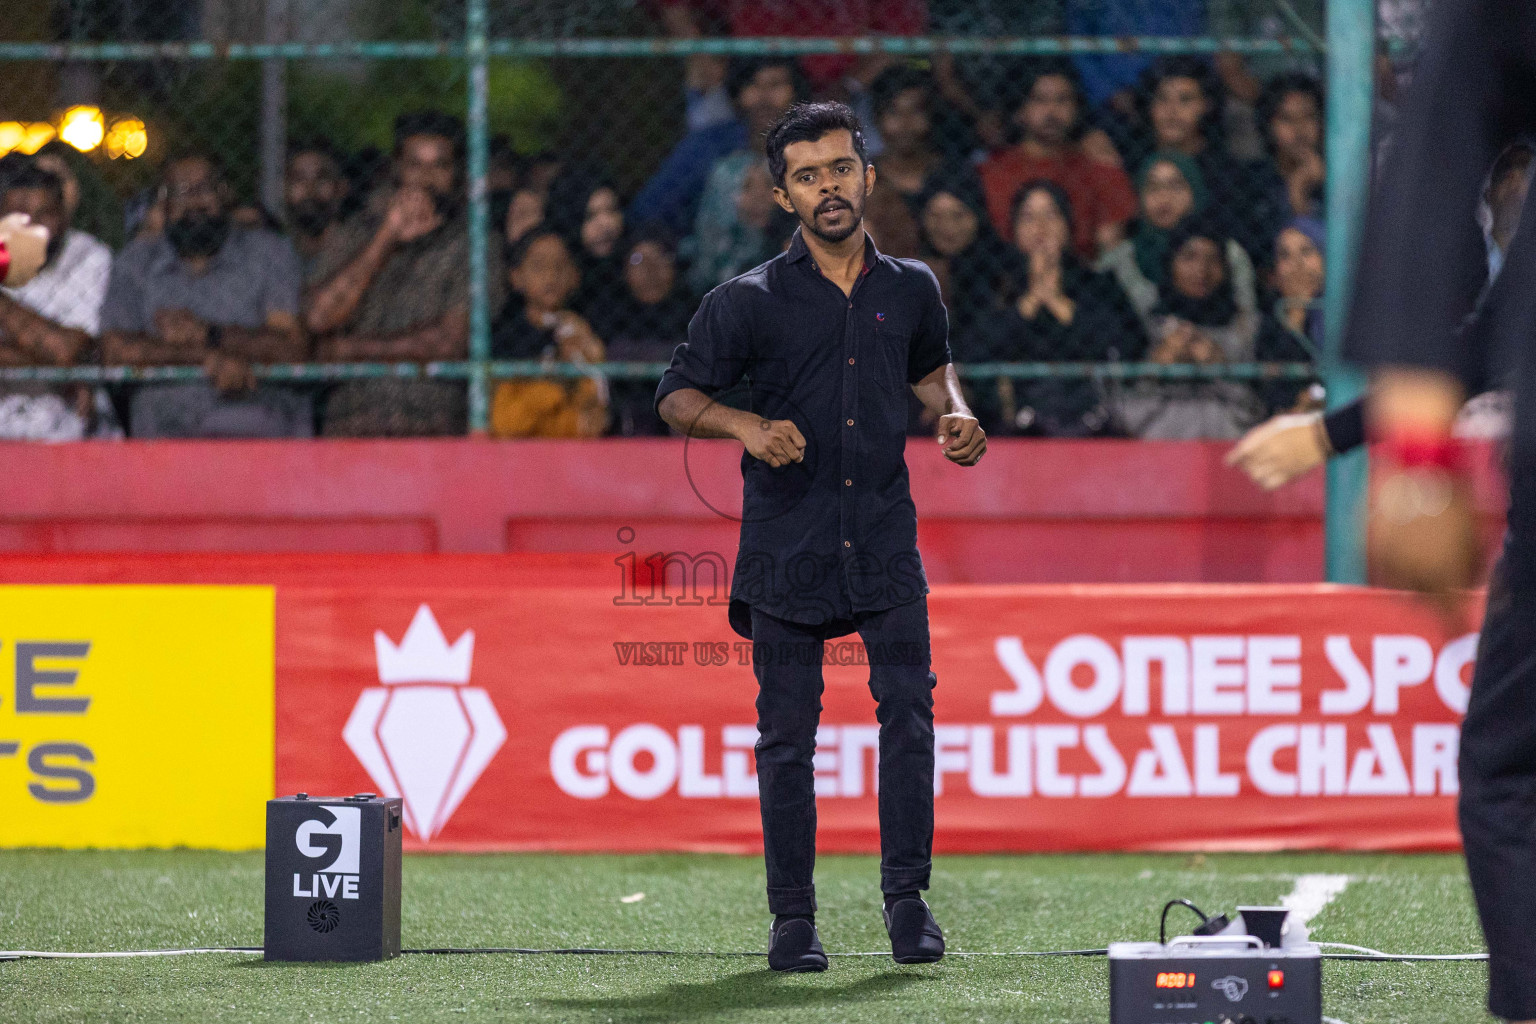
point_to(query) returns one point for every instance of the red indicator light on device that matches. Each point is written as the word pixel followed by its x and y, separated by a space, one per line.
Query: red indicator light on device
pixel 1277 979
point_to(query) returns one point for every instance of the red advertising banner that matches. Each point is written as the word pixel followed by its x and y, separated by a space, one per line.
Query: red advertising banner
pixel 574 716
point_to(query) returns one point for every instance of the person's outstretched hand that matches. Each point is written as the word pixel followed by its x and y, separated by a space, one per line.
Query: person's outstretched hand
pixel 1281 449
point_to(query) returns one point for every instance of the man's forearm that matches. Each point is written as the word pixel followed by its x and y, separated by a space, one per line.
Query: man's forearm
pixel 940 392
pixel 692 412
pixel 444 339
pixel 264 344
pixel 123 349
pixel 39 336
pixel 331 305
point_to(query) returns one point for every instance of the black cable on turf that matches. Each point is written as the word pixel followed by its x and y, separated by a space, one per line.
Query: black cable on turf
pixel 1162 925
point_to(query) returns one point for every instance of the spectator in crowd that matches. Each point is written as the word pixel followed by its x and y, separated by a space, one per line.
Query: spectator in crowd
pixel 644 325
pixel 754 231
pixel 903 110
pixel 585 207
pixel 53 319
pixel 829 73
pixel 1498 214
pixel 314 190
pixel 960 247
pixel 544 276
pixel 1197 320
pixel 1298 280
pixel 90 204
pixel 1171 188
pixel 525 210
pixel 1050 116
pixel 1057 310
pixel 1183 102
pixel 393 286
pixel 981 87
pixel 760 89
pixel 1290 112
pixel 206 292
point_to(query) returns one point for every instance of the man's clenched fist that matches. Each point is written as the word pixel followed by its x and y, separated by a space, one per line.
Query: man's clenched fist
pixel 776 442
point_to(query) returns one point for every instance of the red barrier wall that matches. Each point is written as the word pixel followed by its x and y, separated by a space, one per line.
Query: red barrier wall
pixel 1033 511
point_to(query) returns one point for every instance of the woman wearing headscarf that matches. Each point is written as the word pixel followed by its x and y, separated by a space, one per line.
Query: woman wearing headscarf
pixel 1170 187
pixel 1057 310
pixel 958 244
pixel 1197 320
pixel 584 206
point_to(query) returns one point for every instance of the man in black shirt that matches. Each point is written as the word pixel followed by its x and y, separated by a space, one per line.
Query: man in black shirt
pixel 1473 88
pixel 830 335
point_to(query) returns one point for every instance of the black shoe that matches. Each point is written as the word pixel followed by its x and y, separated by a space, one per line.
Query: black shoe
pixel 915 935
pixel 793 945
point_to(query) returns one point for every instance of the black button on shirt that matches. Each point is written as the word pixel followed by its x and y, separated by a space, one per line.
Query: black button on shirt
pixel 815 549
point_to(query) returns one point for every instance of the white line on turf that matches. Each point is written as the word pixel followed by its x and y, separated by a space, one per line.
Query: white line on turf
pixel 1312 893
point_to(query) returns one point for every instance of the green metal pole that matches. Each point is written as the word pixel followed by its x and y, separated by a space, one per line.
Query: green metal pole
pixel 1351 55
pixel 479 216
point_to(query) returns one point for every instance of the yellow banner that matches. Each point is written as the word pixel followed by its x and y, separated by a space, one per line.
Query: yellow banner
pixel 135 716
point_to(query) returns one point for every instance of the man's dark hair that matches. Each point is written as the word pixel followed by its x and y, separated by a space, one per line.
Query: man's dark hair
pixel 807 122
pixel 430 122
pixel 180 156
pixel 28 175
pixel 1184 65
pixel 892 82
pixel 323 146
pixel 517 252
pixel 1274 93
pixel 743 70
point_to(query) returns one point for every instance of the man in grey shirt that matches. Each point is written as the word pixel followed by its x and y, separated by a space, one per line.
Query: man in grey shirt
pixel 209 293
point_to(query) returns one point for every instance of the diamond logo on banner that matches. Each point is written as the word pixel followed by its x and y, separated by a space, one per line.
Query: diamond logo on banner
pixel 425 735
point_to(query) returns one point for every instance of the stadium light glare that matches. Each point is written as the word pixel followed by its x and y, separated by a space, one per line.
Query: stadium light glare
pixel 83 127
pixel 128 138
pixel 12 134
pixel 38 135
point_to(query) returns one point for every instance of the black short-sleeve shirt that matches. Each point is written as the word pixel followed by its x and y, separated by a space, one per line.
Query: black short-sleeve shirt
pixel 836 534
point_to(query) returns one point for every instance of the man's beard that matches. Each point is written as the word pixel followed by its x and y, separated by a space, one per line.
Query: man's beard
pixel 196 235
pixel 311 217
pixel 835 235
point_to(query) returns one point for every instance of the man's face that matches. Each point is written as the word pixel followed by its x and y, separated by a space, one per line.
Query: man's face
pixel 768 95
pixel 1198 269
pixel 43 205
pixel 313 190
pixel 193 189
pixel 547 277
pixel 905 123
pixel 1178 106
pixel 650 272
pixel 825 184
pixel 427 162
pixel 1049 111
pixel 1297 126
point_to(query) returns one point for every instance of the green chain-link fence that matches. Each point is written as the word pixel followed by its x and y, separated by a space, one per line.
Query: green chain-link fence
pixel 530 275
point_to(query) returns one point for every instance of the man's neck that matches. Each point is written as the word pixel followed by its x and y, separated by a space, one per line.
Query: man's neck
pixel 839 262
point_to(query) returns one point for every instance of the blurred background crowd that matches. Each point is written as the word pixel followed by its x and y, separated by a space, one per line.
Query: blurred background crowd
pixel 1096 208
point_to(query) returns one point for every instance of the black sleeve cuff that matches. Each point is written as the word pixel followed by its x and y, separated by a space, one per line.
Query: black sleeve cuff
pixel 1345 426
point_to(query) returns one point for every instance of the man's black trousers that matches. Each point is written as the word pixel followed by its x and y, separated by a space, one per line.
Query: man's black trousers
pixel 786 657
pixel 1498 797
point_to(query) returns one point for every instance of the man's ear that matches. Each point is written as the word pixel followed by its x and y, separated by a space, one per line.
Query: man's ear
pixel 869 178
pixel 782 198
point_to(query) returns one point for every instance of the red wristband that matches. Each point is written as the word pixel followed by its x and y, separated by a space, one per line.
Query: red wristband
pixel 1423 451
pixel 5 262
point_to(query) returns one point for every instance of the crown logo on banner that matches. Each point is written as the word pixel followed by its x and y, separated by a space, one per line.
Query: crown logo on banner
pixel 419 740
pixel 423 655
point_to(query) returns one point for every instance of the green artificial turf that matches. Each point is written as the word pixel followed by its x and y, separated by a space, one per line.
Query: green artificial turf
pixel 93 901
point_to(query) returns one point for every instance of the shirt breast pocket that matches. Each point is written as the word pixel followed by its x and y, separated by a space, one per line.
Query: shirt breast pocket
pixel 891 347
